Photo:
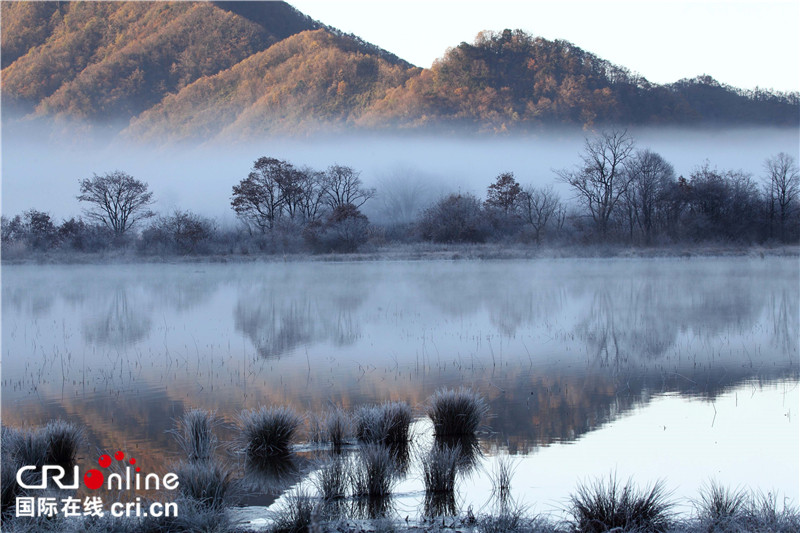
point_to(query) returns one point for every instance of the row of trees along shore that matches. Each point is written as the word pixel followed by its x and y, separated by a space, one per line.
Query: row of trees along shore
pixel 620 195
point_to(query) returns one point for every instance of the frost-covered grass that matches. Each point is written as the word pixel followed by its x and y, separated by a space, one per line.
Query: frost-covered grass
pixel 196 436
pixel 456 413
pixel 388 423
pixel 267 432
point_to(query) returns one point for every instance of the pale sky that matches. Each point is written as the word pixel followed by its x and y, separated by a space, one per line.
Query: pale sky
pixel 744 43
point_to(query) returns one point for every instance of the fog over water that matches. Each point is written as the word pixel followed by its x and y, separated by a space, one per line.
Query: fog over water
pixel 44 174
pixel 693 361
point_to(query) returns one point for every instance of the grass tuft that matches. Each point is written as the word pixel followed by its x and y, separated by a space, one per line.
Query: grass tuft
pixel 502 473
pixel 64 439
pixel 719 508
pixel 268 432
pixel 764 514
pixel 332 479
pixel 456 412
pixel 372 474
pixel 439 469
pixel 196 435
pixel 388 423
pixel 603 507
pixel 296 515
pixel 209 484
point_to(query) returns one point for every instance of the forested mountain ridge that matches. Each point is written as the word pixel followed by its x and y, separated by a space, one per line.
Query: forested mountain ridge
pixel 177 70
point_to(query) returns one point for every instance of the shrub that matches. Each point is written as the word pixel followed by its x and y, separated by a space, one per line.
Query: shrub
pixel 455 218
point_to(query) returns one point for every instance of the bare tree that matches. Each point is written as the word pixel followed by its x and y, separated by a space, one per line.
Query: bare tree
pixel 258 198
pixel 601 179
pixel 650 177
pixel 782 187
pixel 117 200
pixel 312 199
pixel 343 186
pixel 403 194
pixel 537 206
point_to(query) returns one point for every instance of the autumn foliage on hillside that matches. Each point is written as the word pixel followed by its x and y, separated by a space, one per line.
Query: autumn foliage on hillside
pixel 177 70
pixel 308 80
pixel 103 60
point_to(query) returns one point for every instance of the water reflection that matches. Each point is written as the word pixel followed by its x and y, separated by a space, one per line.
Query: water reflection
pixel 120 322
pixel 558 348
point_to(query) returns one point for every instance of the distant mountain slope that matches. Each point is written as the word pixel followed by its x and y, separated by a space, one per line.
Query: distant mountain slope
pixel 304 82
pixel 110 60
pixel 176 70
pixel 511 79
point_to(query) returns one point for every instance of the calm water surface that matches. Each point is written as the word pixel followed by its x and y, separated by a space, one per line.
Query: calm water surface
pixel 681 369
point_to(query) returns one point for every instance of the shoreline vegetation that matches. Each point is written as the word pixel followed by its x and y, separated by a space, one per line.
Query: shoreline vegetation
pixel 349 487
pixel 623 201
pixel 417 252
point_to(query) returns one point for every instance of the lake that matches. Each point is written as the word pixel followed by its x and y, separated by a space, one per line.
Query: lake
pixel 682 369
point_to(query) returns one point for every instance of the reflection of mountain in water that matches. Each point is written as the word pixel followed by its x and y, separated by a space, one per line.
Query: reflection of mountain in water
pixel 603 338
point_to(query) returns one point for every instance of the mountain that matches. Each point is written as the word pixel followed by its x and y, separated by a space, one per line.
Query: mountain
pixel 510 79
pixel 177 70
pixel 307 81
pixel 112 60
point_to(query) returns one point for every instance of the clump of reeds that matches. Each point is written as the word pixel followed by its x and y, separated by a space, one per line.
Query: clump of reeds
pixel 57 443
pixel 439 469
pixel 456 412
pixel 763 514
pixel 719 508
pixel 334 427
pixel 196 436
pixel 338 427
pixel 439 504
pixel 332 479
pixel 296 514
pixel 26 446
pixel 63 440
pixel 209 484
pixel 512 519
pixel 267 433
pixel 388 423
pixel 503 472
pixel 605 506
pixel 372 474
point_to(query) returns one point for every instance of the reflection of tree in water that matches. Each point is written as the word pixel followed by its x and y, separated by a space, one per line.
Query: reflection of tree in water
pixel 516 310
pixel 644 319
pixel 784 313
pixel 182 290
pixel 278 321
pixel 274 324
pixel 125 322
pixel 27 300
